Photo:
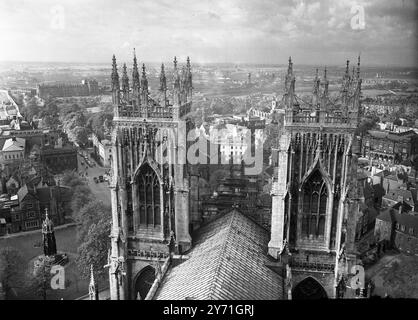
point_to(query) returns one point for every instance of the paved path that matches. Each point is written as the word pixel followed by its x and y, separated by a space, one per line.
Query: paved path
pixel 100 190
pixel 24 233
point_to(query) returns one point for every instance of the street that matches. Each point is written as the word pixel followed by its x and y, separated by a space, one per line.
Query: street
pixel 100 190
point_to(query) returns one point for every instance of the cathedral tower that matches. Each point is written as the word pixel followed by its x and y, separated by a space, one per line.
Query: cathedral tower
pixel 314 192
pixel 149 183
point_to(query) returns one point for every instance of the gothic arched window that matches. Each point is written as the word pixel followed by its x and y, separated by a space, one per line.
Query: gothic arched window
pixel 149 197
pixel 314 207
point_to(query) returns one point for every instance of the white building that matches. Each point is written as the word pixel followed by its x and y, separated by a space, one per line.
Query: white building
pixel 13 150
pixel 234 140
pixel 104 149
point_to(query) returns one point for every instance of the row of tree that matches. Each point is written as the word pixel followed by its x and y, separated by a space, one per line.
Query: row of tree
pixel 93 231
pixel 75 119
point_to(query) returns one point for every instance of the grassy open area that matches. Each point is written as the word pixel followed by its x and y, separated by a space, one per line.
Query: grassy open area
pixel 395 275
pixel 66 242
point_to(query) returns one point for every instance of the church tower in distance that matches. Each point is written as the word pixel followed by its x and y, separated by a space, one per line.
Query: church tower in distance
pixel 149 183
pixel 315 197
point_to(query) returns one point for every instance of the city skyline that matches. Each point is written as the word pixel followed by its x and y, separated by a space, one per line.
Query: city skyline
pixel 265 32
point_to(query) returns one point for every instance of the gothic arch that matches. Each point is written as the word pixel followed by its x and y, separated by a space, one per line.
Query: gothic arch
pixel 149 195
pixel 317 165
pixel 316 196
pixel 154 166
pixel 143 282
pixel 309 288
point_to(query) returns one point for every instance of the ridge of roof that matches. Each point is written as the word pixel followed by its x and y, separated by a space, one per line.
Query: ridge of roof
pixel 221 256
pixel 230 250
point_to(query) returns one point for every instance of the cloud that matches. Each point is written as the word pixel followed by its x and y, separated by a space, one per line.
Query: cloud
pixel 268 31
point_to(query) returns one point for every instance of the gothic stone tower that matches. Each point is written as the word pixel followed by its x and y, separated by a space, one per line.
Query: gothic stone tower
pixel 149 184
pixel 314 192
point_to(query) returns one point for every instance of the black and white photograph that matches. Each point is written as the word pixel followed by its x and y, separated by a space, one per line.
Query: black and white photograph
pixel 222 150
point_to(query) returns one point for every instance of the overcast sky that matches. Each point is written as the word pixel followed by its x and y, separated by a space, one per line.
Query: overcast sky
pixel 262 31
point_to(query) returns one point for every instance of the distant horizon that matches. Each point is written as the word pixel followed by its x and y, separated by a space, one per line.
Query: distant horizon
pixel 166 63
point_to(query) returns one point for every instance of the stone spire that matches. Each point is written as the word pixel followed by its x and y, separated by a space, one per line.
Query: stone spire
pixel 115 82
pixel 289 75
pixel 290 67
pixel 93 289
pixel 144 86
pixel 189 80
pixel 358 67
pixel 176 76
pixel 175 62
pixel 188 64
pixel 345 83
pixel 135 80
pixel 183 84
pixel 125 84
pixel 347 69
pixel 176 83
pixel 315 90
pixel 115 75
pixel 163 85
pixel 357 92
pixel 324 98
pixel 326 83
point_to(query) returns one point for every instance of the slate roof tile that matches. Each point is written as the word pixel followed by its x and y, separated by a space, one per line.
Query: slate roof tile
pixel 227 261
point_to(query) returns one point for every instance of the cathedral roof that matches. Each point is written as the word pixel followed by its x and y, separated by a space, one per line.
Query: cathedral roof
pixel 228 261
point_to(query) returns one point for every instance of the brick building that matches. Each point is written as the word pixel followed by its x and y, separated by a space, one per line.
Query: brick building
pixel 88 87
pixel 398 228
pixel 25 210
pixel 390 147
pixel 57 160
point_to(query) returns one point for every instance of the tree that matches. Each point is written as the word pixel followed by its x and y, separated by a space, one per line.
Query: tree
pixel 81 136
pixel 49 115
pixel 401 278
pixel 74 120
pixel 92 213
pixel 81 196
pixel 397 122
pixel 93 235
pixel 94 250
pixel 11 270
pixel 31 109
pixel 366 125
pixel 71 179
pixel 40 282
pixel 96 123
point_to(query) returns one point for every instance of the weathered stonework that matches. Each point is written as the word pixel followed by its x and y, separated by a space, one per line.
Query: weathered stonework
pixel 149 183
pixel 314 195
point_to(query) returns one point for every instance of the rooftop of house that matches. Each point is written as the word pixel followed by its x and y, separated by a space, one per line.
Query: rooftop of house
pixel 401 194
pixel 407 219
pixel 14 144
pixel 44 193
pixel 392 136
pixel 227 261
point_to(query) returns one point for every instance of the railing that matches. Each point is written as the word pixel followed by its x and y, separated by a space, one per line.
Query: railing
pixel 312 265
pixel 316 119
pixel 166 114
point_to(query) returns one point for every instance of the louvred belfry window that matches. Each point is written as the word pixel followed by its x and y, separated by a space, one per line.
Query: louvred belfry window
pixel 314 206
pixel 149 197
